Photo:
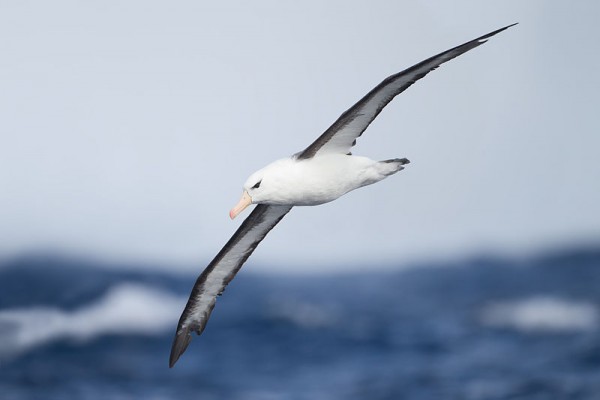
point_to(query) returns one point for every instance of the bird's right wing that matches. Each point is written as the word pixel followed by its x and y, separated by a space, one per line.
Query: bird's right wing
pixel 342 135
pixel 221 271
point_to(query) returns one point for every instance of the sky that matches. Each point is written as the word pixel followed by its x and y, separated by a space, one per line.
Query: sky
pixel 128 128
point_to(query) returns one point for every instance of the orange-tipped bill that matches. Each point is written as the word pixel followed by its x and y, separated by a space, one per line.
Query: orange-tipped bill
pixel 245 201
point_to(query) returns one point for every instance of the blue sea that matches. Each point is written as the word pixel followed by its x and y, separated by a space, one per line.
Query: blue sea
pixel 482 328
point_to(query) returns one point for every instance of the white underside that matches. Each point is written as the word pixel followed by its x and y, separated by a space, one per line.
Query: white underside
pixel 318 180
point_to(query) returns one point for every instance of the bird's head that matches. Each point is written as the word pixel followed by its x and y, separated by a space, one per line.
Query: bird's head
pixel 250 194
pixel 262 187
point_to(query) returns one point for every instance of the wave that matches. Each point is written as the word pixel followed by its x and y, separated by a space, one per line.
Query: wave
pixel 542 314
pixel 303 314
pixel 124 309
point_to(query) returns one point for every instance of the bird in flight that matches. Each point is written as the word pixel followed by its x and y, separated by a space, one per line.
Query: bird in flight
pixel 321 173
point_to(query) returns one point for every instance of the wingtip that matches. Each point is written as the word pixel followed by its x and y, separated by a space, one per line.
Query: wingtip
pixel 484 38
pixel 180 343
pixel 507 26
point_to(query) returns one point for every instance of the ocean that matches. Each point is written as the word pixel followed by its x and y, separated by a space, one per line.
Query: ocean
pixel 482 328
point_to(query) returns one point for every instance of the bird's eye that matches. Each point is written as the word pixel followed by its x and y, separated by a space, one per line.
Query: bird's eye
pixel 257 185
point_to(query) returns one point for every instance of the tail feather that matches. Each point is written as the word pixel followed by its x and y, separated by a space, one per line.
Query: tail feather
pixel 390 167
pixel 401 161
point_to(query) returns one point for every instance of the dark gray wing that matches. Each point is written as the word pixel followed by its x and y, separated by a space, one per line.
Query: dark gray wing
pixel 221 271
pixel 342 135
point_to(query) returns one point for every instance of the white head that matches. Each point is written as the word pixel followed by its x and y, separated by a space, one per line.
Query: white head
pixel 262 187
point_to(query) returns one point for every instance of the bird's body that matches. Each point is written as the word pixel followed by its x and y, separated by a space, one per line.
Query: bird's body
pixel 321 173
pixel 310 182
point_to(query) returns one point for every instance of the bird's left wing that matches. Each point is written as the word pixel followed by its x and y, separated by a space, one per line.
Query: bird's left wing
pixel 341 136
pixel 222 269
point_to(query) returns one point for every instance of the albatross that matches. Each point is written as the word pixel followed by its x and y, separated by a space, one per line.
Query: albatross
pixel 321 173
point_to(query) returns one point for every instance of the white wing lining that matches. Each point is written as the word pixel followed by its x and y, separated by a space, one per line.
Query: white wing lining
pixel 222 269
pixel 341 136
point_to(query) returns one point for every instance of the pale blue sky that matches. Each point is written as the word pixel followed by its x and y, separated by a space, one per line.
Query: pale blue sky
pixel 128 128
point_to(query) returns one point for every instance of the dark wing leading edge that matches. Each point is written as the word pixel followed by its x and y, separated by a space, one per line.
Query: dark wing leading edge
pixel 221 271
pixel 342 135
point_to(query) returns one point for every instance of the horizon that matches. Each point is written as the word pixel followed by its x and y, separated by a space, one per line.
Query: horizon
pixel 268 268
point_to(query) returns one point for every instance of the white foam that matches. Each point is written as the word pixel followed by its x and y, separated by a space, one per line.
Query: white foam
pixel 125 309
pixel 302 314
pixel 542 314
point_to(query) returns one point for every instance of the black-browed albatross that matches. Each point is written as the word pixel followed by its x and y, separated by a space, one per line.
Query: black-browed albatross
pixel 322 172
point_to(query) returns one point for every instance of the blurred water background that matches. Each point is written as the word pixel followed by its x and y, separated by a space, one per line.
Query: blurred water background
pixel 483 328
